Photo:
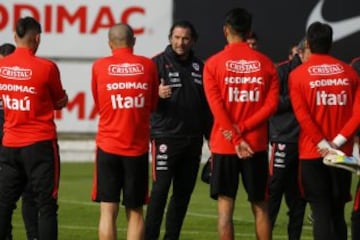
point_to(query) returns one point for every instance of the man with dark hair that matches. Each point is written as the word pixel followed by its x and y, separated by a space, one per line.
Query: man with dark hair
pixel 325 96
pixel 241 85
pixel 284 157
pixel 6 49
pixel 124 88
pixel 30 152
pixel 28 206
pixel 178 126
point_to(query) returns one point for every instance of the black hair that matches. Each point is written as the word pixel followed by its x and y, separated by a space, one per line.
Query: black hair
pixel 6 49
pixel 239 20
pixel 185 24
pixel 26 25
pixel 319 37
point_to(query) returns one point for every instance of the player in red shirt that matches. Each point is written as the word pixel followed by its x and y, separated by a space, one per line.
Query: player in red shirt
pixel 355 216
pixel 325 95
pixel 125 91
pixel 241 85
pixel 31 90
pixel 28 205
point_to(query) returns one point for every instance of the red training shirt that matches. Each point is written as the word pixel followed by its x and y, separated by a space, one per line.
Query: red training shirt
pixel 242 88
pixel 30 86
pixel 125 91
pixel 325 95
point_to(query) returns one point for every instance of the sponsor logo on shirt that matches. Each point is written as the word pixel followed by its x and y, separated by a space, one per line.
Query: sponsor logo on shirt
pixel 126 69
pixel 329 82
pixel 324 98
pixel 126 85
pixel 126 102
pixel 325 69
pixel 22 104
pixel 197 75
pixel 237 95
pixel 15 73
pixel 174 74
pixel 17 88
pixel 243 66
pixel 243 80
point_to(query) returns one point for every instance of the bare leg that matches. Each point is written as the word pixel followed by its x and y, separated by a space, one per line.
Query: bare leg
pixel 107 224
pixel 262 221
pixel 225 218
pixel 136 227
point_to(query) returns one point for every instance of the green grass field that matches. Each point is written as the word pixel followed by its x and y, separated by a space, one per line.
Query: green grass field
pixel 78 216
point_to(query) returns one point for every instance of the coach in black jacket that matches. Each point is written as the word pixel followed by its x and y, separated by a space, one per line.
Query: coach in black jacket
pixel 284 131
pixel 178 126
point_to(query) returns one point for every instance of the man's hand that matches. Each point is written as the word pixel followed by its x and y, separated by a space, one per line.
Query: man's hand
pixel 164 90
pixel 62 102
pixel 243 150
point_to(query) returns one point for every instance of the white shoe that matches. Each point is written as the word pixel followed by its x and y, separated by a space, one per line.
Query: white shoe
pixel 338 159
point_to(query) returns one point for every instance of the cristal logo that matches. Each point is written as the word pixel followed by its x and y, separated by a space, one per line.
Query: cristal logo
pixel 126 69
pixel 243 66
pixel 325 69
pixel 15 73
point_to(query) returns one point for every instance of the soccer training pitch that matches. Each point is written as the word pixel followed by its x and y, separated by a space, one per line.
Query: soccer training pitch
pixel 78 215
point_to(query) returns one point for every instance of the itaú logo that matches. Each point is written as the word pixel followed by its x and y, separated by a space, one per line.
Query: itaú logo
pixel 119 101
pixel 243 66
pixel 325 69
pixel 15 73
pixel 126 69
pixel 16 104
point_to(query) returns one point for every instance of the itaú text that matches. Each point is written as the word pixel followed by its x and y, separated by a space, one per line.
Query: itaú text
pixel 57 18
pixel 237 95
pixel 325 98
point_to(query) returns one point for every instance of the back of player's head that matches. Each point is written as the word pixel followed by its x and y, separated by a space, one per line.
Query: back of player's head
pixel 239 20
pixel 121 35
pixel 27 25
pixel 319 37
pixel 185 24
pixel 6 49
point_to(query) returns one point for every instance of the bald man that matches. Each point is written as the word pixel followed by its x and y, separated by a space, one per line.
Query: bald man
pixel 125 92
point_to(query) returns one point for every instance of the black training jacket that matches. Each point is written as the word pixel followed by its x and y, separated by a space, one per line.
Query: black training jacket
pixel 186 113
pixel 283 125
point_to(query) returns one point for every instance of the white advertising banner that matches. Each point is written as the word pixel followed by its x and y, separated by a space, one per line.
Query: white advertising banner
pixel 75 33
pixel 79 115
pixel 78 28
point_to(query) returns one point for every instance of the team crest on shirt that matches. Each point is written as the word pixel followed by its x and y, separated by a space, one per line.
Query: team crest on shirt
pixel 126 69
pixel 281 146
pixel 196 66
pixel 15 73
pixel 325 69
pixel 163 148
pixel 243 66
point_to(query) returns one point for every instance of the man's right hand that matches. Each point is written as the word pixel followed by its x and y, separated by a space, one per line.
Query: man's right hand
pixel 164 90
pixel 243 150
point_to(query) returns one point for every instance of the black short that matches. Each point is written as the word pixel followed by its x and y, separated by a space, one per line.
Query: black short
pixel 115 173
pixel 322 183
pixel 254 173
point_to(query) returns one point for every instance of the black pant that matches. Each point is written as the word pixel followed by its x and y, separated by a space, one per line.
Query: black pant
pixel 284 167
pixel 327 189
pixel 30 213
pixel 37 164
pixel 355 216
pixel 176 161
